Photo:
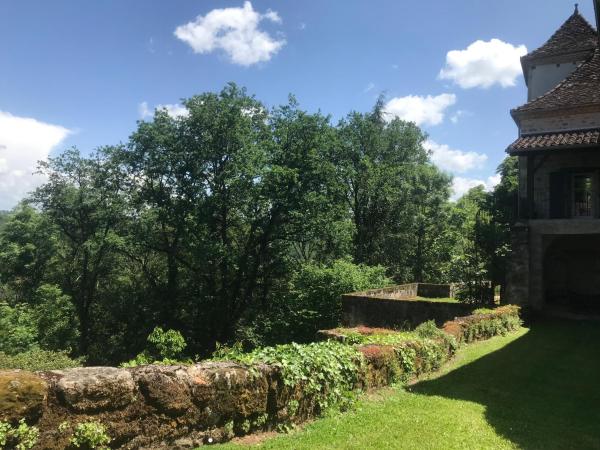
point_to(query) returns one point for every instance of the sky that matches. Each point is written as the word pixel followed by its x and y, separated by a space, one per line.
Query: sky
pixel 75 73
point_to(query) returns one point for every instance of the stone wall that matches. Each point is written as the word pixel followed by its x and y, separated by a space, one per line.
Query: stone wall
pixel 145 407
pixel 412 290
pixel 182 407
pixel 517 273
pixel 373 311
pixel 164 407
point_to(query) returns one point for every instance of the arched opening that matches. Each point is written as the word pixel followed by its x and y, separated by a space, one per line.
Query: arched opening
pixel 572 272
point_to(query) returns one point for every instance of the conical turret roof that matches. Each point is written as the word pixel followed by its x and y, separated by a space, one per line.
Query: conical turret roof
pixel 574 36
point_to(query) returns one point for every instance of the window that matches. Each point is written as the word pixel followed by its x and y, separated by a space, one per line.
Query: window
pixel 583 195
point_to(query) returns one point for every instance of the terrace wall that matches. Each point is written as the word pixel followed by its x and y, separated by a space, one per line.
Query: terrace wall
pixel 182 407
pixel 378 311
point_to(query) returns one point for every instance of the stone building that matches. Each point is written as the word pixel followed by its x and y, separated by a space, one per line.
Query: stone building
pixel 555 261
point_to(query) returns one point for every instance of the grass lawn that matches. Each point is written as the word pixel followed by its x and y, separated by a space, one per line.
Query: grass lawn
pixel 534 389
pixel 438 300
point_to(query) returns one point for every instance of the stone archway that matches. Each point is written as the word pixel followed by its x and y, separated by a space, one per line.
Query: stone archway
pixel 572 272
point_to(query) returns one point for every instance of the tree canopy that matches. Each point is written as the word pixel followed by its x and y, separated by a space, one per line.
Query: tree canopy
pixel 232 222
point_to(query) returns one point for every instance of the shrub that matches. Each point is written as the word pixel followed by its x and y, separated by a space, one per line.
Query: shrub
pixel 327 372
pixel 89 436
pixel 166 347
pixel 484 325
pixel 36 359
pixel 429 330
pixel 57 324
pixel 166 344
pixel 49 322
pixel 22 437
pixel 312 302
pixel 320 288
pixel 18 329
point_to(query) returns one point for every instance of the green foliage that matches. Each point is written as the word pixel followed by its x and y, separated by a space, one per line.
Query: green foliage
pixel 397 198
pixel 326 372
pixel 28 243
pixel 234 222
pixel 166 344
pixel 37 359
pixel 165 347
pixel 90 436
pixel 5 429
pixel 482 221
pixel 312 303
pixel 21 437
pixel 421 351
pixel 56 319
pixel 49 323
pixel 18 330
pixel 485 324
pixel 429 330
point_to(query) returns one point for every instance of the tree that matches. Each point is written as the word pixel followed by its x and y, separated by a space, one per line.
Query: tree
pixel 392 190
pixel 484 231
pixel 28 243
pixel 82 198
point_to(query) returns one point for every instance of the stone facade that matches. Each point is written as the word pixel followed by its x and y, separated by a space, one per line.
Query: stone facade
pixel 575 162
pixel 555 259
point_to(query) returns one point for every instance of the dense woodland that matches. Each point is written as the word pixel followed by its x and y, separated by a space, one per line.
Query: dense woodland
pixel 235 223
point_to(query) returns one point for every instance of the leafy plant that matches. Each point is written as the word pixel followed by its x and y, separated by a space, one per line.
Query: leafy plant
pixel 326 372
pixel 166 347
pixel 483 325
pixel 18 329
pixel 90 436
pixel 5 429
pixel 166 344
pixel 37 359
pixel 22 437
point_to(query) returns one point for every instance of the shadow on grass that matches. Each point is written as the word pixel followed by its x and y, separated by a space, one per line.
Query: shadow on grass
pixel 542 391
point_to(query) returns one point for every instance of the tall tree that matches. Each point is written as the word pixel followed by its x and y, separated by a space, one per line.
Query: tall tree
pixel 82 198
pixel 392 189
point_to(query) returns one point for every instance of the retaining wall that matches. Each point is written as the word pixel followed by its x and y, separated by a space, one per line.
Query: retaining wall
pixel 412 290
pixel 160 407
pixel 182 407
pixel 375 311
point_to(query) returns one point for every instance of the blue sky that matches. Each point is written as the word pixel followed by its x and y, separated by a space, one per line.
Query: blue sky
pixel 82 73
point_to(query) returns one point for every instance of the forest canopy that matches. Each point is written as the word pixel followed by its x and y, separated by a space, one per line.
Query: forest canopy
pixel 235 222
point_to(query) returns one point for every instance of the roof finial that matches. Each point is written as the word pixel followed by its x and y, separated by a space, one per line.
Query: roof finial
pixel 576 8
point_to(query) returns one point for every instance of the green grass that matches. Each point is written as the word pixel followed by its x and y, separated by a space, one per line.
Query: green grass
pixel 437 300
pixel 533 389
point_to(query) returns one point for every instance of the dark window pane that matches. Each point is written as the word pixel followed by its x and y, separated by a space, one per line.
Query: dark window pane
pixel 582 195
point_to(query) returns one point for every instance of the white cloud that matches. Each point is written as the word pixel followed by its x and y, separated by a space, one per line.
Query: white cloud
pixel 455 118
pixel 369 88
pixel 174 110
pixel 420 110
pixel 460 185
pixel 144 111
pixel 234 31
pixel 453 160
pixel 484 64
pixel 23 142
